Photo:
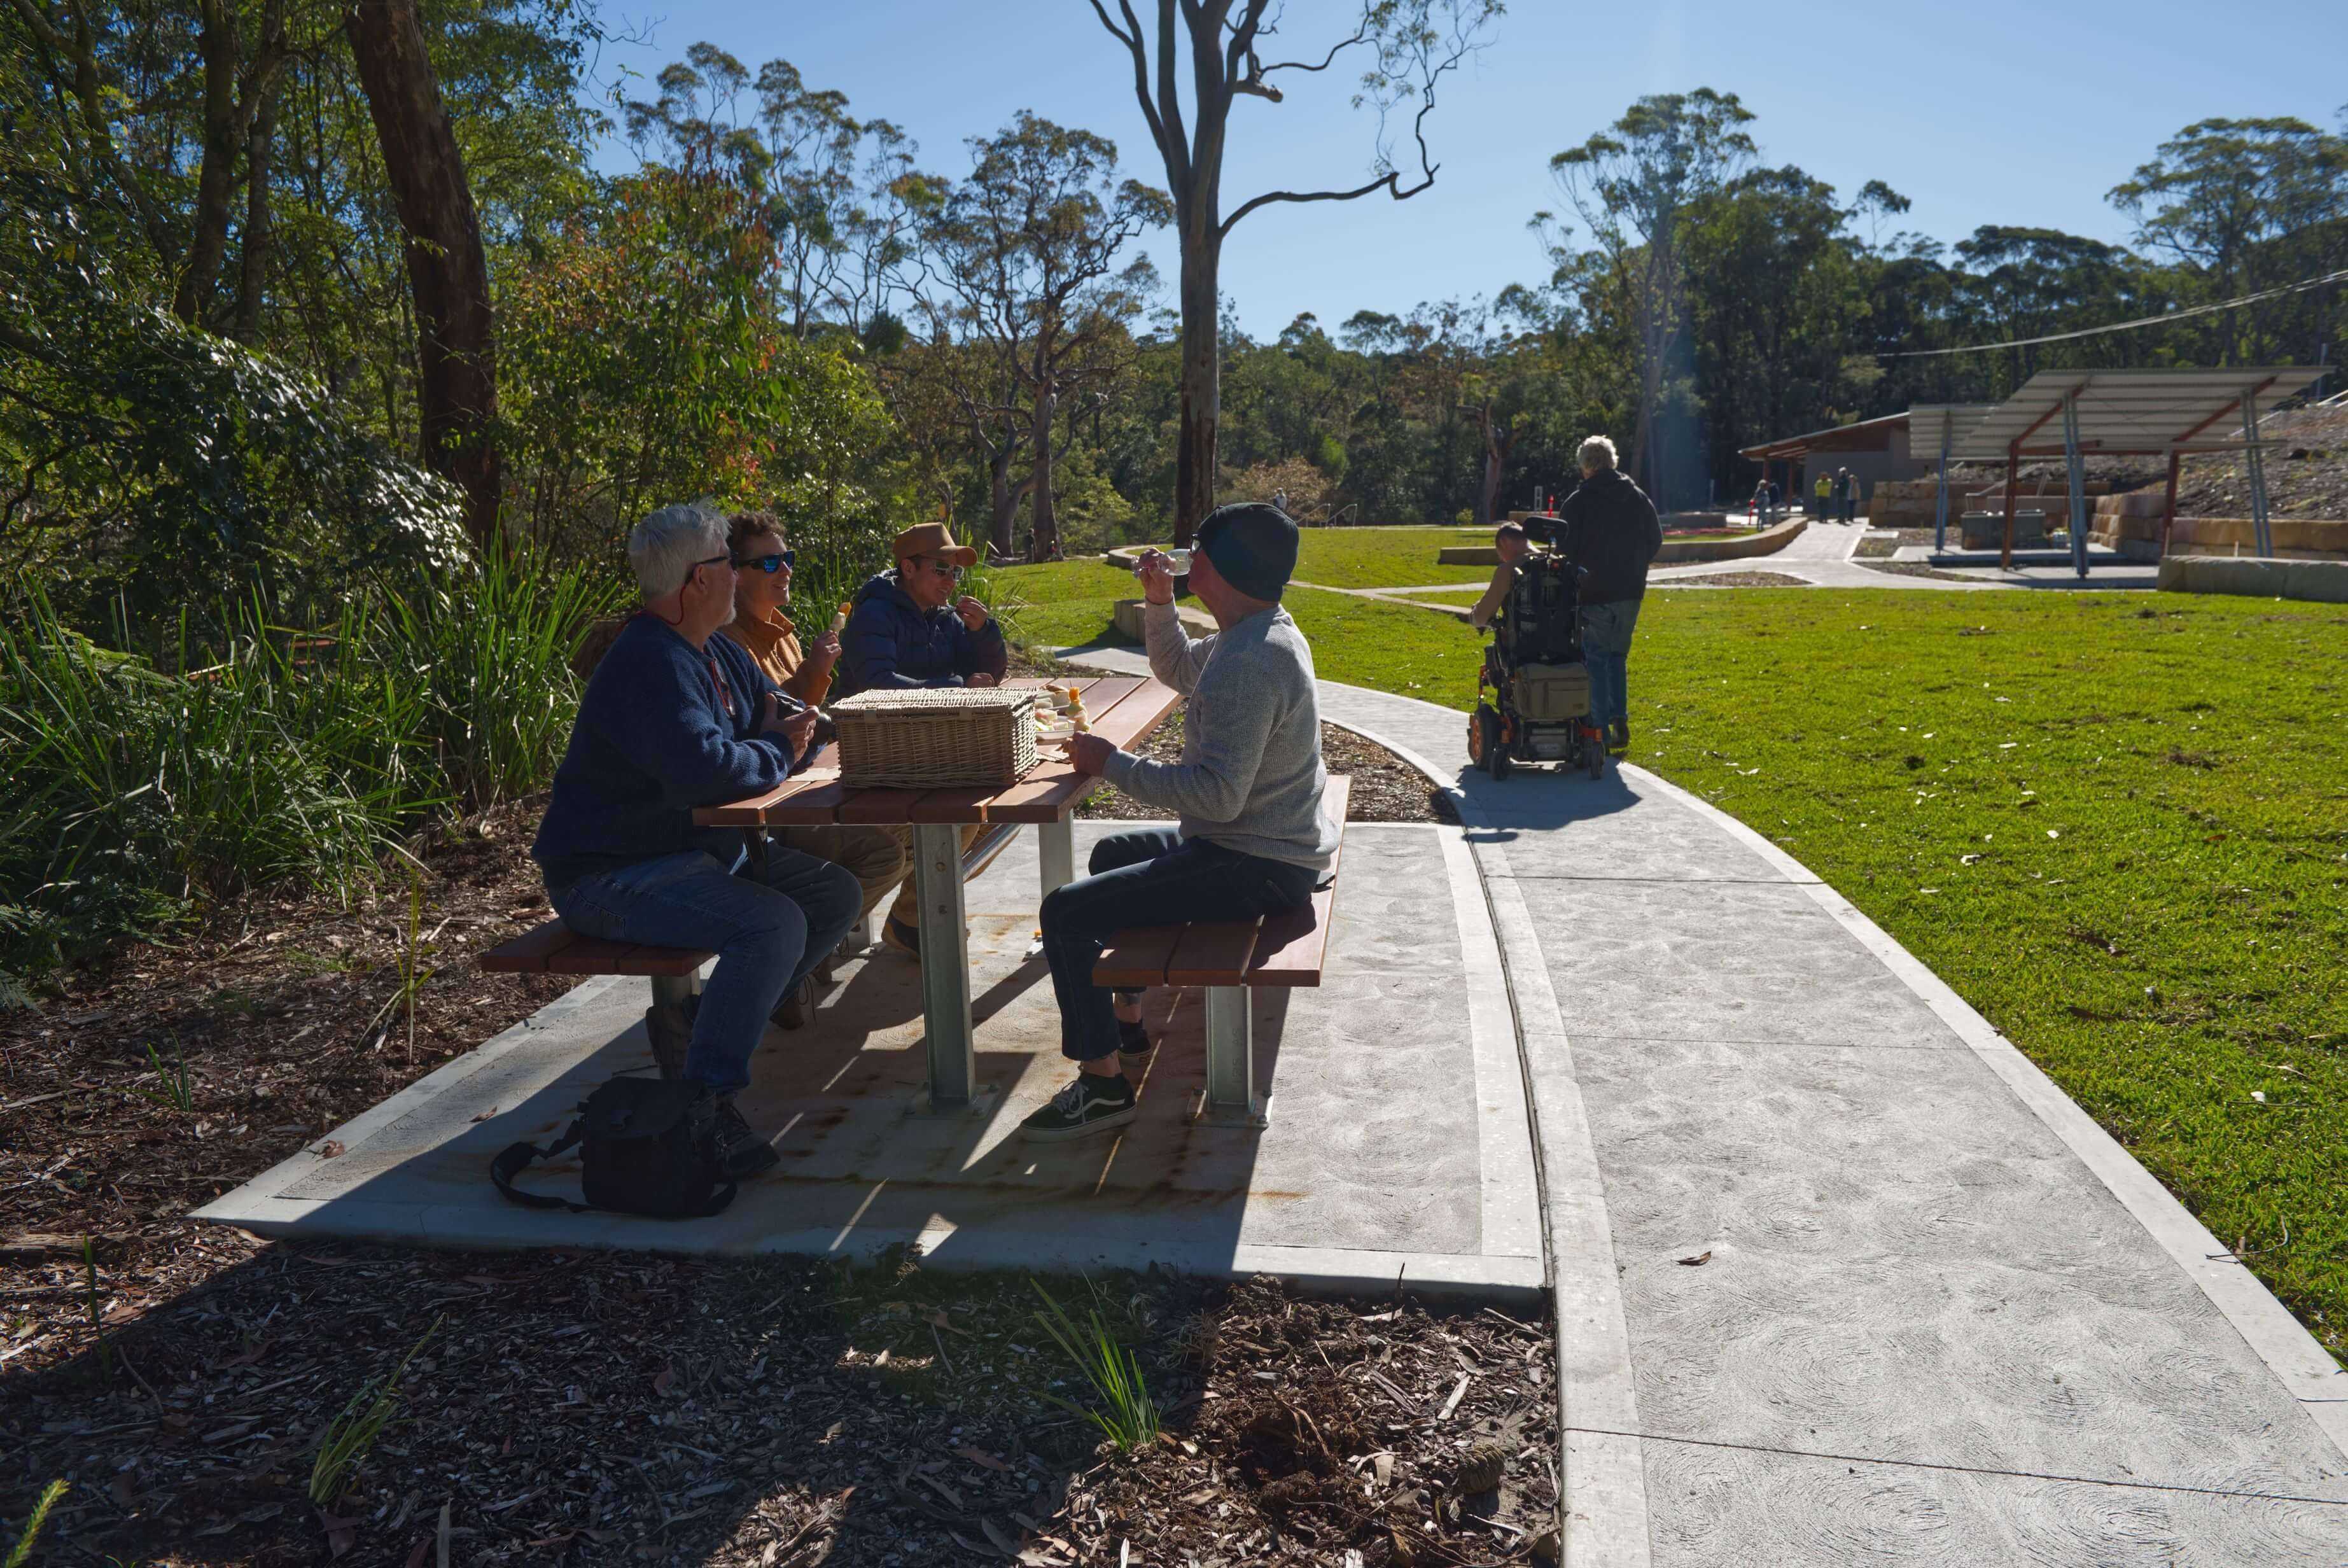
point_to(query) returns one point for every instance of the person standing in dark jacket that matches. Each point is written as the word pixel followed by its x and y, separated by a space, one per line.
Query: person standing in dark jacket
pixel 1611 533
pixel 903 633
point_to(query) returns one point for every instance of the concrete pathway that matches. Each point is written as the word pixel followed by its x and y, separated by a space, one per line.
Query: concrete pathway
pixel 1840 1276
pixel 1821 556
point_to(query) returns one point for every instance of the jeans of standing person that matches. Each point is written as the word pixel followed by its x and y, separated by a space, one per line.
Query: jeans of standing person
pixel 1606 648
pixel 1151 877
pixel 768 932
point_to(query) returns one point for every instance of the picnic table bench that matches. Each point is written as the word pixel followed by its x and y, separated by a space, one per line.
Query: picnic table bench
pixel 1122 709
pixel 1227 959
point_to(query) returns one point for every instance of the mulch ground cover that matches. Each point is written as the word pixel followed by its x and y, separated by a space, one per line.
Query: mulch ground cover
pixel 1385 788
pixel 1734 580
pixel 609 1408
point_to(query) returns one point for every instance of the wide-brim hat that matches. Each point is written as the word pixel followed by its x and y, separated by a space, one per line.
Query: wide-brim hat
pixel 934 539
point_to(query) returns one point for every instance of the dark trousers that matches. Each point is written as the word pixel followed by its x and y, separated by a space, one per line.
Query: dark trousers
pixel 1150 877
pixel 768 927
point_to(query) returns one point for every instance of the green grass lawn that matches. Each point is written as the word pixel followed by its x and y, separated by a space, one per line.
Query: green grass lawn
pixel 2117 824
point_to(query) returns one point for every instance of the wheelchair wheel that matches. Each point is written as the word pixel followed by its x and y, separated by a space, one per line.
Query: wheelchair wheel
pixel 1593 742
pixel 1490 751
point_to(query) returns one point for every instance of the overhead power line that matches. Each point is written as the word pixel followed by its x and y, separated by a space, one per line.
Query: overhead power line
pixel 2278 293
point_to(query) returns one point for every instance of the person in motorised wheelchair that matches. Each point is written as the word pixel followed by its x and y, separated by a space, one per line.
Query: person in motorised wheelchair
pixel 1550 689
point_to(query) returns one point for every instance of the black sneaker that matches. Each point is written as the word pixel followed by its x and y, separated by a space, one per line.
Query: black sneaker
pixel 669 1026
pixel 1133 1043
pixel 1092 1104
pixel 742 1151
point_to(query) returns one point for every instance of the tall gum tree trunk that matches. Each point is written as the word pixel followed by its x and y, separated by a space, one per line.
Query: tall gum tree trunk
pixel 447 274
pixel 253 279
pixel 216 174
pixel 1044 526
pixel 1201 400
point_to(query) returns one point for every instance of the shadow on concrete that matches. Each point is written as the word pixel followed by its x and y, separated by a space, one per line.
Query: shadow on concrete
pixel 1540 798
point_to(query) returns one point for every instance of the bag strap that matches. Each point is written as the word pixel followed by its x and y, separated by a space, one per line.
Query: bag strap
pixel 511 1162
pixel 718 1201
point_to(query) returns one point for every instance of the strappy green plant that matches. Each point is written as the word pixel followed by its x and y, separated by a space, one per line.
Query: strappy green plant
pixel 1126 1416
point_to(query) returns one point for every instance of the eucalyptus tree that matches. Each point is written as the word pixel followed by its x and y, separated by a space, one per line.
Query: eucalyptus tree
pixel 2247 205
pixel 1027 269
pixel 1630 184
pixel 1215 48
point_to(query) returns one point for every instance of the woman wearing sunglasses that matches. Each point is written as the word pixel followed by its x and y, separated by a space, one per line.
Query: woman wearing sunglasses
pixel 875 857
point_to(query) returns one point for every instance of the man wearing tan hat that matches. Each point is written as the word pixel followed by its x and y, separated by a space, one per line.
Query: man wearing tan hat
pixel 908 629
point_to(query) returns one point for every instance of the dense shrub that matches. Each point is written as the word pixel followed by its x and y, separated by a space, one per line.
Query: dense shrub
pixel 290 754
pixel 155 466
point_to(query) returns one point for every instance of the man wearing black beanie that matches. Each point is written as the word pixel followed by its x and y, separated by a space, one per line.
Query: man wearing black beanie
pixel 1251 839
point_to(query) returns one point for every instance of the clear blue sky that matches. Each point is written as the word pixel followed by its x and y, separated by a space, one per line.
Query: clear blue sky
pixel 1992 112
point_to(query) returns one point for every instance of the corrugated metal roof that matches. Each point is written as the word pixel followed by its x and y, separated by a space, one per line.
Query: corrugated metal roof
pixel 1834 437
pixel 1927 421
pixel 2136 411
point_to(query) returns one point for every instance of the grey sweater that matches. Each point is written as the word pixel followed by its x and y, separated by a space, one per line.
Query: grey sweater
pixel 1250 775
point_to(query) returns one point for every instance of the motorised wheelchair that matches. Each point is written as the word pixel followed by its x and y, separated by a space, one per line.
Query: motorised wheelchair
pixel 1532 695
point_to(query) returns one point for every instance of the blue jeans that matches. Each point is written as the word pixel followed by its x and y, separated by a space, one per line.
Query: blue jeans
pixel 1148 878
pixel 768 931
pixel 1606 649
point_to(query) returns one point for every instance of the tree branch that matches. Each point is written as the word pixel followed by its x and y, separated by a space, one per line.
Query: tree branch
pixel 1361 35
pixel 1134 46
pixel 1388 181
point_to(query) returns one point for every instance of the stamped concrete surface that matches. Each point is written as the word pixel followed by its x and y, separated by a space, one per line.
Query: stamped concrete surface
pixel 1839 1277
pixel 1399 1140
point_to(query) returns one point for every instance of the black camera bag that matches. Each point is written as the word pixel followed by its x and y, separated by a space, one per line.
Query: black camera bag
pixel 645 1147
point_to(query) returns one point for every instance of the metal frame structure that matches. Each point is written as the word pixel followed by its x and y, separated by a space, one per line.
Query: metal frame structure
pixel 2164 413
pixel 1942 422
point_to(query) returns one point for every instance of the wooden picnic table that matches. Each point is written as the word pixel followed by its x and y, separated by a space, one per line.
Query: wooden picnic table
pixel 1124 710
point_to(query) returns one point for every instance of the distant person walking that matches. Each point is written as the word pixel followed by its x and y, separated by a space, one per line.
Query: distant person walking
pixel 1611 533
pixel 1841 512
pixel 1848 483
pixel 1823 494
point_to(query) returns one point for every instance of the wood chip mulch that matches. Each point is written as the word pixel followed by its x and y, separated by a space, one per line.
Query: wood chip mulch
pixel 629 1407
pixel 1734 580
pixel 1385 788
pixel 775 1413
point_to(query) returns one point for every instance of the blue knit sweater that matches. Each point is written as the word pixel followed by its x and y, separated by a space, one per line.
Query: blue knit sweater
pixel 653 740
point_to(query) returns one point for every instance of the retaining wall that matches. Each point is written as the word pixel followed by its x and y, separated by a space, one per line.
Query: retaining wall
pixel 2321 582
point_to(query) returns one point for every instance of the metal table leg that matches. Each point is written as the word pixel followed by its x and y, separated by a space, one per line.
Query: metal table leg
pixel 1055 851
pixel 945 968
pixel 1229 1099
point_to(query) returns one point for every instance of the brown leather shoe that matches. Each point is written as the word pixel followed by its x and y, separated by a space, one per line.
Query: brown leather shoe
pixel 797 1006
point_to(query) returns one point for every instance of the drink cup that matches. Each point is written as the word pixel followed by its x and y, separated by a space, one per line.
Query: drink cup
pixel 1179 561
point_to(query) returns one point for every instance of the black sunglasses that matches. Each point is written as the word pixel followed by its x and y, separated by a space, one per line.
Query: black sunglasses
pixel 769 564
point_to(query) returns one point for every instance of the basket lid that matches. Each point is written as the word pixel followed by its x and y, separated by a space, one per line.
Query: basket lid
pixel 937 699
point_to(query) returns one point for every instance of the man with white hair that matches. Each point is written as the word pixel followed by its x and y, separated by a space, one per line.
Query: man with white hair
pixel 676 717
pixel 1611 533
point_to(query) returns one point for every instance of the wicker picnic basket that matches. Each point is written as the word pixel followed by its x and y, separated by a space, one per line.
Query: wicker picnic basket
pixel 946 738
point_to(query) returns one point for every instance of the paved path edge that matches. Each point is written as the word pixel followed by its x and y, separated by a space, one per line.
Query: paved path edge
pixel 1602 1485
pixel 2295 1356
pixel 1602 1491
